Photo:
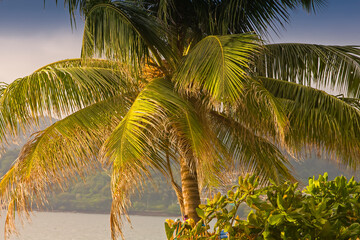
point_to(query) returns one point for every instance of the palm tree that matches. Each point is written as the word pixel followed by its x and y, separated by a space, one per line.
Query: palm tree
pixel 183 86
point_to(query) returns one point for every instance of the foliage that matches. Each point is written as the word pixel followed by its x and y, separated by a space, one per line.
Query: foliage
pixel 7 159
pixel 92 194
pixel 187 81
pixel 323 210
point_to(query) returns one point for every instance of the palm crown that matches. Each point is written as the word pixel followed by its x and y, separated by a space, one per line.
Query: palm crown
pixel 181 84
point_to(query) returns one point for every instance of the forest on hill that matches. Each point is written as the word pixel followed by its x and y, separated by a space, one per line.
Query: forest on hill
pixel 158 198
pixel 93 195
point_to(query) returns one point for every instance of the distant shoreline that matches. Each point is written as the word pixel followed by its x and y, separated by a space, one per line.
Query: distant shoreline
pixel 159 214
pixel 135 213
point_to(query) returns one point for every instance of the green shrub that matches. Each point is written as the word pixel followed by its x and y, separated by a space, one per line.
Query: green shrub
pixel 323 210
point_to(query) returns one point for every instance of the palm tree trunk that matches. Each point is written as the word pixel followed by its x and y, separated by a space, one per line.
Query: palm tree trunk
pixel 190 190
pixel 176 187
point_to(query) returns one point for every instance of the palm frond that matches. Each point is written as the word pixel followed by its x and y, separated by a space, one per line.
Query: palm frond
pixel 312 5
pixel 260 16
pixel 83 6
pixel 57 90
pixel 309 64
pixel 320 120
pixel 216 17
pixel 57 155
pixel 260 110
pixel 165 8
pixel 3 86
pixel 218 66
pixel 250 153
pixel 198 146
pixel 136 144
pixel 125 32
pixel 131 147
pixel 354 102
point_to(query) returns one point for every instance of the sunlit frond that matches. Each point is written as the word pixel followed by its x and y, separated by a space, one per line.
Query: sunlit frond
pixel 308 64
pixel 57 90
pixel 319 120
pixel 3 86
pixel 57 155
pixel 198 145
pixel 136 144
pixel 131 147
pixel 125 32
pixel 250 153
pixel 218 66
pixel 261 111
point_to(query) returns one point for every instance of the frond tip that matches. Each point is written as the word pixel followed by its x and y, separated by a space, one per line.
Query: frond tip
pixel 319 120
pixel 56 156
pixel 59 89
pixel 127 33
pixel 333 67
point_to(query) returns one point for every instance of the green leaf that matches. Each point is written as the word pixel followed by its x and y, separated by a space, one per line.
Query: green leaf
pixel 280 202
pixel 352 231
pixel 228 228
pixel 200 213
pixel 276 219
pixel 169 231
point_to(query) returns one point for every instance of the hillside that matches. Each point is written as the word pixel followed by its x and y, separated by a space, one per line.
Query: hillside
pixel 94 195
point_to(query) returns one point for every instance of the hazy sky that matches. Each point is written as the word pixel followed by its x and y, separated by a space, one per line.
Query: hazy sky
pixel 32 36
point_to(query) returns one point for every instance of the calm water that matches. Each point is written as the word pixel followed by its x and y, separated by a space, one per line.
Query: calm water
pixel 78 226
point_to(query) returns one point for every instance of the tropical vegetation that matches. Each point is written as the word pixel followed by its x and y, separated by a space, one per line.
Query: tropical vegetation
pixel 92 195
pixel 179 85
pixel 323 210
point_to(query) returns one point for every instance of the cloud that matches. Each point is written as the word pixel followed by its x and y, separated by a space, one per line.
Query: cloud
pixel 22 53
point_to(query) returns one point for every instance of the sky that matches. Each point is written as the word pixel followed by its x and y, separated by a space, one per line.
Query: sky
pixel 32 36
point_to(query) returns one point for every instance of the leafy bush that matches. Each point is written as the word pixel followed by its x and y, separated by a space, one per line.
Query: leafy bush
pixel 323 210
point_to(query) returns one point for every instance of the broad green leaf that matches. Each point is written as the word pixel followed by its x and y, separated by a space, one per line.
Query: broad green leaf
pixel 276 219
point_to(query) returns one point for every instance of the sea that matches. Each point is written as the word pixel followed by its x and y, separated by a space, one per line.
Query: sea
pixel 80 226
